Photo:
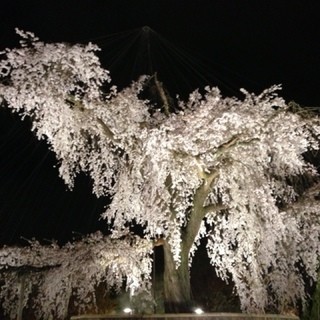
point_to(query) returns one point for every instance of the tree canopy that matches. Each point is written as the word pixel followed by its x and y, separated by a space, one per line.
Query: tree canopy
pixel 217 167
pixel 52 274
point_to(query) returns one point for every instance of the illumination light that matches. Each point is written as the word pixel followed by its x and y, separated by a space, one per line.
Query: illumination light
pixel 127 310
pixel 198 311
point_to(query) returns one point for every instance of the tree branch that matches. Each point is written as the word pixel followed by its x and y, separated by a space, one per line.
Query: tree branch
pixel 198 211
pixel 107 130
pixel 213 207
pixel 158 242
pixel 163 96
pixel 77 104
pixel 27 268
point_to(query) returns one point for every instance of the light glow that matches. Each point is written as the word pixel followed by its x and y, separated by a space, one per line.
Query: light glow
pixel 127 310
pixel 198 311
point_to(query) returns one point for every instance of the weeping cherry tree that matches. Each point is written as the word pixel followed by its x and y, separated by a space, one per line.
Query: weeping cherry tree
pixel 220 168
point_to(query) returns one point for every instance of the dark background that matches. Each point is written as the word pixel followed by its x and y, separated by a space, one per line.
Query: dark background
pixel 225 43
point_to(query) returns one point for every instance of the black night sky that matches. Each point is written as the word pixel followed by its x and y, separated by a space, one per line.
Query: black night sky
pixel 225 43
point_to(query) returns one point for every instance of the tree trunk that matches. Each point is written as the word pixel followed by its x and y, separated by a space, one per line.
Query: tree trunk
pixel 177 290
pixel 177 287
pixel 315 310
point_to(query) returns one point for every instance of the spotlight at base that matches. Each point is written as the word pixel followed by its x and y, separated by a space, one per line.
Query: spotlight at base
pixel 198 311
pixel 127 310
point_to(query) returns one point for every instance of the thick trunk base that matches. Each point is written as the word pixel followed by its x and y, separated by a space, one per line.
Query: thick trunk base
pixel 177 291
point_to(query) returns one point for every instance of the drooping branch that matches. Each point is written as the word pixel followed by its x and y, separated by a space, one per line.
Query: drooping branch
pixel 27 268
pixel 77 104
pixel 76 268
pixel 107 130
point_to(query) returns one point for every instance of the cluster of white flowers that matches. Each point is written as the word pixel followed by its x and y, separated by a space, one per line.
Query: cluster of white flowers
pixel 55 275
pixel 225 161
